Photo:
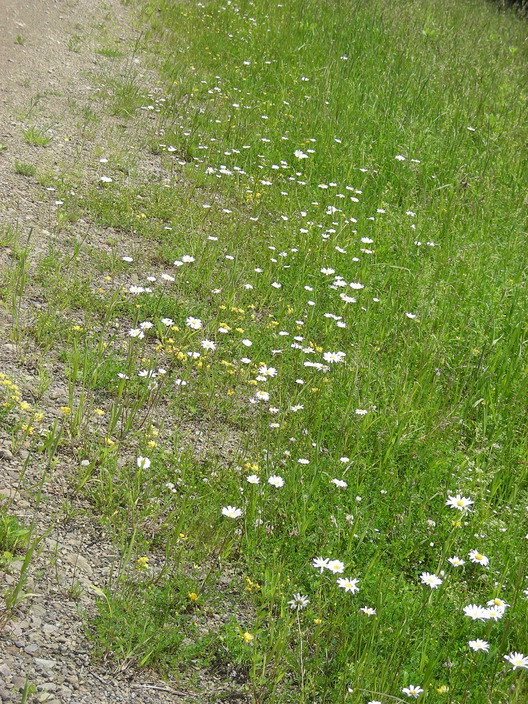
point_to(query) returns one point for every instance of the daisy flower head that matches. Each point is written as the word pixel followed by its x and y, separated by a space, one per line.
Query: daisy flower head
pixel 299 602
pixel 208 345
pixel 143 462
pixel 339 483
pixel 194 323
pixel 262 396
pixel 431 580
pixel 136 332
pixel 459 502
pixel 456 561
pixel 336 566
pixel 517 660
pixel 412 691
pixel 231 512
pixel 495 613
pixel 349 585
pixel 478 558
pixel 334 357
pixel 253 479
pixel 320 563
pixel 497 604
pixel 276 481
pixel 368 610
pixel 475 613
pixel 479 644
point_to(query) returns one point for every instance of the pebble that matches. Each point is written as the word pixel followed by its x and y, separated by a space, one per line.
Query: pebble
pixel 44 665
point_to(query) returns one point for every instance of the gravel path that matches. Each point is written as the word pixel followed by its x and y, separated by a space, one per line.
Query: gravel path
pixel 47 62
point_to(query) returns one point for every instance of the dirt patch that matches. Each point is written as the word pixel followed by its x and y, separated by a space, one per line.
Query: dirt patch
pixel 52 54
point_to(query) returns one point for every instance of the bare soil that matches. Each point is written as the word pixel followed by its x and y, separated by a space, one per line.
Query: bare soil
pixel 49 67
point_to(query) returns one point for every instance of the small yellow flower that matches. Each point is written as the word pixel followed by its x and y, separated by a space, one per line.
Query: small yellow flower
pixel 251 586
pixel 443 689
pixel 25 406
pixel 152 443
pixel 247 637
pixel 98 412
pixel 230 392
pixel 318 621
pixel 66 410
pixel 193 596
pixel 142 564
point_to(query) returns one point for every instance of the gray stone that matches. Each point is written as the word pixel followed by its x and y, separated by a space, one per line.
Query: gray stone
pixel 38 610
pixel 7 491
pixel 49 628
pixel 47 687
pixel 79 562
pixel 44 665
pixel 19 682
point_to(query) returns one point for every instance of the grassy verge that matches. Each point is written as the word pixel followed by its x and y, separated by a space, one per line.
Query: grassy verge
pixel 298 396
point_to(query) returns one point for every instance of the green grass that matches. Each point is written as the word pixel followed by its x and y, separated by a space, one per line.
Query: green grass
pixel 24 169
pixel 37 136
pixel 335 190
